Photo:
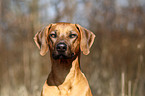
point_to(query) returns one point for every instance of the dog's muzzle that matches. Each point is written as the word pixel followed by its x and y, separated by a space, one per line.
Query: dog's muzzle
pixel 61 47
pixel 62 51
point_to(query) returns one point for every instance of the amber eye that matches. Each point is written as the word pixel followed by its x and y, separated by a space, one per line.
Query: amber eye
pixel 53 35
pixel 73 35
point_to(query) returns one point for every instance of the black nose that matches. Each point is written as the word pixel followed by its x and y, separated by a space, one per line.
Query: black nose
pixel 61 47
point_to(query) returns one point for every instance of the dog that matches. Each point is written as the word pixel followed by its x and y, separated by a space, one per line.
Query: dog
pixel 65 41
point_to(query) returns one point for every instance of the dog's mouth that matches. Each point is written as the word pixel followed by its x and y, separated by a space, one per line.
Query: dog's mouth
pixel 62 56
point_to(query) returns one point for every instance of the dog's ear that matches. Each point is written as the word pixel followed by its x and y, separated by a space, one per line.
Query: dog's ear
pixel 87 39
pixel 41 39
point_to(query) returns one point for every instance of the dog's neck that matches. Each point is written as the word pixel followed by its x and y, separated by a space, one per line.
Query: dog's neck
pixel 60 69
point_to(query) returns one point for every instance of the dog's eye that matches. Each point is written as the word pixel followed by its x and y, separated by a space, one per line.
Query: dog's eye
pixel 73 35
pixel 53 35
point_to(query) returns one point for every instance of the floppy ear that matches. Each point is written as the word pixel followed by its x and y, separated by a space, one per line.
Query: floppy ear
pixel 41 40
pixel 87 39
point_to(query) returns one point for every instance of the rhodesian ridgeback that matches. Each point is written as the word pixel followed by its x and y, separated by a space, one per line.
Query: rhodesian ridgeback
pixel 65 42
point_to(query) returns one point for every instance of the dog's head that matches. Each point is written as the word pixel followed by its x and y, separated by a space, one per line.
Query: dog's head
pixel 64 40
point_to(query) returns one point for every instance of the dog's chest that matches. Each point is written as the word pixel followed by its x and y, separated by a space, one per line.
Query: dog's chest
pixel 61 90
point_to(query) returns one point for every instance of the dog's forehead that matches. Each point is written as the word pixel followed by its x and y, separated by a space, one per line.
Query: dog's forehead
pixel 64 28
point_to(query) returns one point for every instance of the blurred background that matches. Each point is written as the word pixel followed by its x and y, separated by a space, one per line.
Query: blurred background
pixel 116 64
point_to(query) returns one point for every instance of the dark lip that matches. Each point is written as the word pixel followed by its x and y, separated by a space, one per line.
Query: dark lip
pixel 62 56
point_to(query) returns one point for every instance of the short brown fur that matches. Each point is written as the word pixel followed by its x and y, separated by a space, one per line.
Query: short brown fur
pixel 65 78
